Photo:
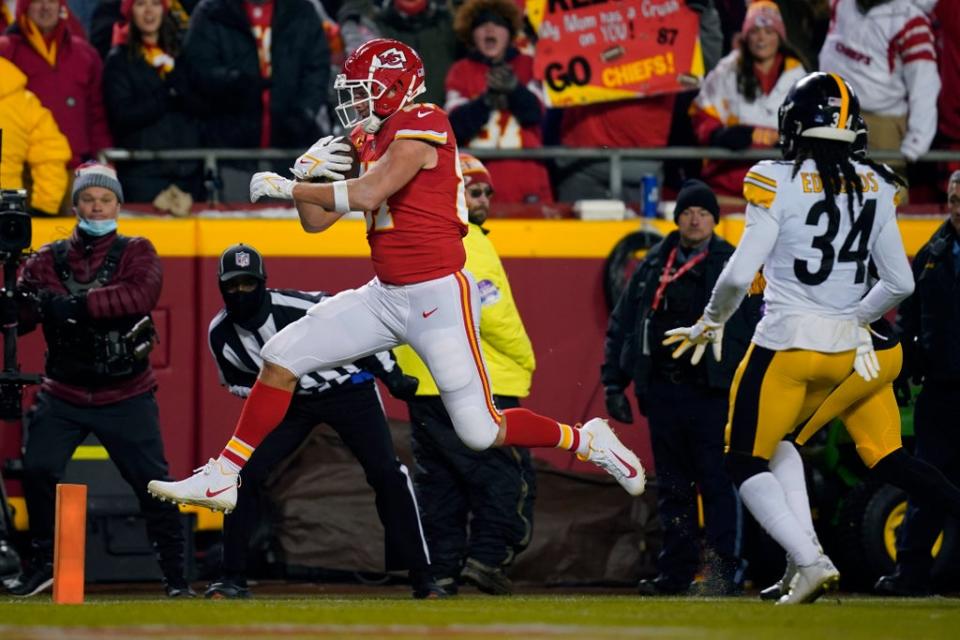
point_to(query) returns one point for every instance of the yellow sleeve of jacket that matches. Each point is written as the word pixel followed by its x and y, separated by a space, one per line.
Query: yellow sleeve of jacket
pixel 47 154
pixel 503 339
pixel 506 347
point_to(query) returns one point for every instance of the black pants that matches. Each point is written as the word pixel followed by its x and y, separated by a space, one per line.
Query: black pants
pixel 493 489
pixel 356 415
pixel 937 442
pixel 130 432
pixel 686 431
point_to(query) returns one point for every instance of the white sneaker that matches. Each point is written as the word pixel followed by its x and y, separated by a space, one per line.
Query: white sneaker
pixel 812 581
pixel 210 486
pixel 607 452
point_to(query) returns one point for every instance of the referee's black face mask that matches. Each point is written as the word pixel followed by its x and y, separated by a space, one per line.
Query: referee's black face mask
pixel 243 297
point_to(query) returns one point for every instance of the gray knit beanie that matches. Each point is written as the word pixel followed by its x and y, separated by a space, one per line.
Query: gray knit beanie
pixel 96 174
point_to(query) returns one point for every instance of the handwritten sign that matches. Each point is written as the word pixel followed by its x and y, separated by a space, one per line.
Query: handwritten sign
pixel 604 50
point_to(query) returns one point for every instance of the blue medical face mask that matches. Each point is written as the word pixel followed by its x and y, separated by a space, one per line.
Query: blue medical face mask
pixel 97 227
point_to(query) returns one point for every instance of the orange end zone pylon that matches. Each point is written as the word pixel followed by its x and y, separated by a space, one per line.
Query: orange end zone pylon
pixel 69 547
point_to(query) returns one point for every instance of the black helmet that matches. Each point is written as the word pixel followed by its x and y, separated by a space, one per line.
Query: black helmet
pixel 241 260
pixel 820 105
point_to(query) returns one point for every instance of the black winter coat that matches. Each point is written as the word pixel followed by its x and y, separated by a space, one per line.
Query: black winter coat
pixel 928 320
pixel 146 111
pixel 224 68
pixel 624 360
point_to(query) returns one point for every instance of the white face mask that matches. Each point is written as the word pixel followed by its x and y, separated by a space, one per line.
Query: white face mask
pixel 97 227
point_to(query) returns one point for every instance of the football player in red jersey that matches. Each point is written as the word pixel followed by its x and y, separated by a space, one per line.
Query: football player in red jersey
pixel 412 193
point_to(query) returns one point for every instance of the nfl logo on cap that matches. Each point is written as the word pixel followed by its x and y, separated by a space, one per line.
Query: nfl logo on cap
pixel 241 260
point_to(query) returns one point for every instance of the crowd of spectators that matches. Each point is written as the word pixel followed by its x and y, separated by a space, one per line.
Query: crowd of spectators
pixel 182 74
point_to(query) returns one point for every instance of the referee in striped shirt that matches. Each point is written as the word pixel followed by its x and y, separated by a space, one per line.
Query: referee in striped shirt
pixel 345 398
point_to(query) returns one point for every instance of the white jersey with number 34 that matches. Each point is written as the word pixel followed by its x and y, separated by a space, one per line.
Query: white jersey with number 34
pixel 815 257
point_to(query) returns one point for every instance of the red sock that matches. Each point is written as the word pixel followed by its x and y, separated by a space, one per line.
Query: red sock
pixel 528 429
pixel 263 410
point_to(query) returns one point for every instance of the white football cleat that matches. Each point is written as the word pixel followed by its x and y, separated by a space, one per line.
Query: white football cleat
pixel 210 486
pixel 781 587
pixel 607 452
pixel 811 582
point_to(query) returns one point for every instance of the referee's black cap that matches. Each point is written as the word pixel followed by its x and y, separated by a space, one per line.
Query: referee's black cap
pixel 241 260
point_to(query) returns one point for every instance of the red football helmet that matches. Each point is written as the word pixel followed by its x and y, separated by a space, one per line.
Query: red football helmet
pixel 378 79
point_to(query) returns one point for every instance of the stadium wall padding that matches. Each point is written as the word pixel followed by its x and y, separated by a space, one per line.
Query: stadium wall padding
pixel 555 268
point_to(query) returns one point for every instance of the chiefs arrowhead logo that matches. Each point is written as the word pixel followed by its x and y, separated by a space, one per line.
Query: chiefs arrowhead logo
pixel 392 58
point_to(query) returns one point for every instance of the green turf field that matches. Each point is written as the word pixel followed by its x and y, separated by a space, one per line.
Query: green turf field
pixel 520 617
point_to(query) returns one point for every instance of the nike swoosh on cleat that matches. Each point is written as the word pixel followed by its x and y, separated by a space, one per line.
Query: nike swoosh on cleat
pixel 216 493
pixel 633 472
pixel 427 314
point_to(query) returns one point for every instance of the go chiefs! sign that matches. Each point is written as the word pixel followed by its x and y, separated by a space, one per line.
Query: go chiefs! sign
pixel 605 50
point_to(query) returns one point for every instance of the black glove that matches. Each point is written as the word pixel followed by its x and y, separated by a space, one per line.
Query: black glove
pixel 698 5
pixel 175 85
pixel 246 82
pixel 618 407
pixel 735 138
pixel 61 309
pixel 902 390
pixel 400 385
pixel 501 79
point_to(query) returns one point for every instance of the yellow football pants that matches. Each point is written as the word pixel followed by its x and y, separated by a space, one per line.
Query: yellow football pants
pixel 774 391
pixel 868 410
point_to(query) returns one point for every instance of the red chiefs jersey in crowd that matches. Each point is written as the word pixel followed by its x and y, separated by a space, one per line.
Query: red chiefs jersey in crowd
pixel 417 234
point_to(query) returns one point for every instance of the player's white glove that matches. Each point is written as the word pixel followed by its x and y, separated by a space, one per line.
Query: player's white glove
pixel 865 363
pixel 328 158
pixel 267 184
pixel 697 336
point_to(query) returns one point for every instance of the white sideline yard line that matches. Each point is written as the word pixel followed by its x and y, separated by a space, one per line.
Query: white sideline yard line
pixel 330 631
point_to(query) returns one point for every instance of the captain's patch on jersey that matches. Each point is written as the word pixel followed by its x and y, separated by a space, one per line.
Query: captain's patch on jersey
pixel 489 293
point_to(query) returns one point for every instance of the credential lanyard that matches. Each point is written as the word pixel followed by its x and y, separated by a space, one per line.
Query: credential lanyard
pixel 666 277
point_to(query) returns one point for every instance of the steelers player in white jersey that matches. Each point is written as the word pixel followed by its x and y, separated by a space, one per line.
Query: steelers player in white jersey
pixel 870 414
pixel 813 220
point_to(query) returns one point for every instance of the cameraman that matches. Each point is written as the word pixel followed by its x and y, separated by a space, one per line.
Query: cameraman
pixel 95 291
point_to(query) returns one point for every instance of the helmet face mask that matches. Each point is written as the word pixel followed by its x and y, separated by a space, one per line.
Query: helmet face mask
pixel 381 77
pixel 859 148
pixel 356 99
pixel 819 105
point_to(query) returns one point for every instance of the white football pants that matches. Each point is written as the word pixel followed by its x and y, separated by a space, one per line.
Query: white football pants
pixel 438 318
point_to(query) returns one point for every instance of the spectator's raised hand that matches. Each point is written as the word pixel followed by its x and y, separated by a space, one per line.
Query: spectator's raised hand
pixel 735 138
pixel 501 79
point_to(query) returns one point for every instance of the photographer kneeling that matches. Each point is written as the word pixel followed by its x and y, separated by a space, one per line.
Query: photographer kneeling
pixel 95 291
